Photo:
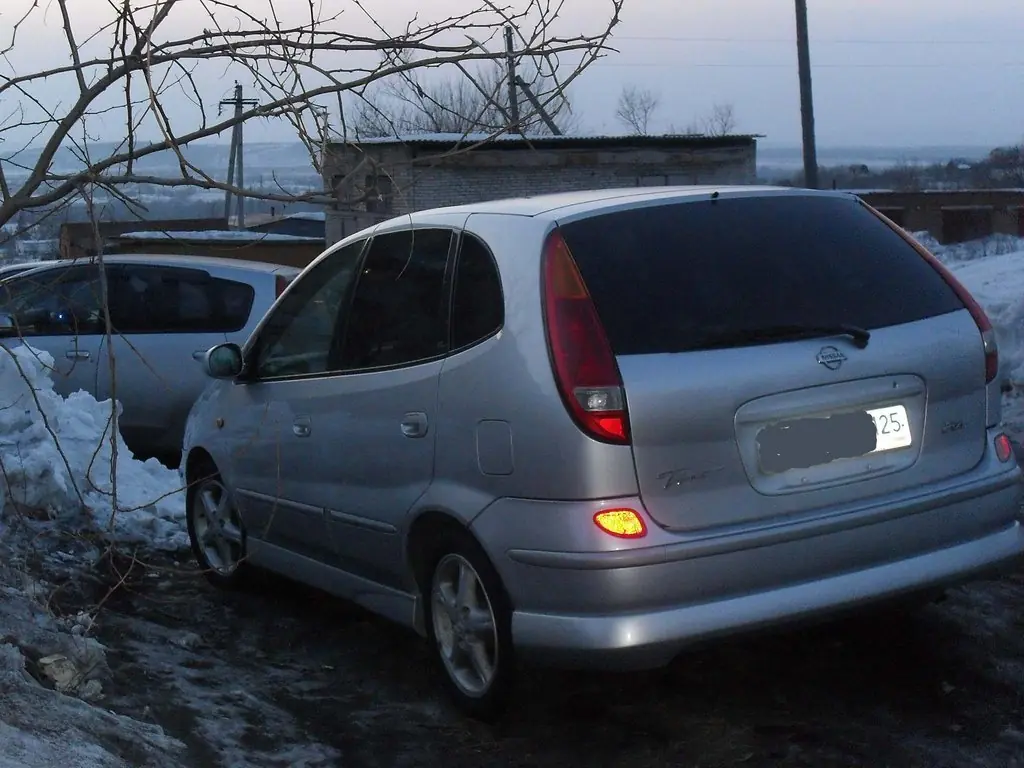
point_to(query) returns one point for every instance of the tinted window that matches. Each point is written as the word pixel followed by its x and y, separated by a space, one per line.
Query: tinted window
pixel 55 301
pixel 399 310
pixel 156 299
pixel 301 335
pixel 477 305
pixel 670 278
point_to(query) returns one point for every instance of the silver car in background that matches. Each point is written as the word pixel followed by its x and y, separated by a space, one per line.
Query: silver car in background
pixel 590 429
pixel 166 311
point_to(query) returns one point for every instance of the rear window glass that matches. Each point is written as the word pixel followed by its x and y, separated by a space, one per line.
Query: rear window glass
pixel 669 278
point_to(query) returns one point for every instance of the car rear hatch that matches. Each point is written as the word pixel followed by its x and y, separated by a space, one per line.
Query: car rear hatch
pixel 781 354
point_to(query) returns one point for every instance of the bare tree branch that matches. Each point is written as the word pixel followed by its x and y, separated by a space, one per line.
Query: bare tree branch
pixel 148 68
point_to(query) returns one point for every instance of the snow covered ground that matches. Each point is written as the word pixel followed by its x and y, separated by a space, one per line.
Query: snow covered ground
pixel 993 271
pixel 60 509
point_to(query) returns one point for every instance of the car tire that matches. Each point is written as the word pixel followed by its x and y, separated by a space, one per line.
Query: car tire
pixel 215 529
pixel 469 626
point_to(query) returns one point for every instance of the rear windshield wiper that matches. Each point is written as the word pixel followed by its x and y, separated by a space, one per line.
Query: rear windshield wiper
pixel 740 336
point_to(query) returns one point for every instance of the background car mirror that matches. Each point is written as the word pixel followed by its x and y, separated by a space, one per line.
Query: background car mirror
pixel 223 361
pixel 7 323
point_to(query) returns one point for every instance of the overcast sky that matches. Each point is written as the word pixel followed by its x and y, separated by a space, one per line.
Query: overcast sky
pixel 886 72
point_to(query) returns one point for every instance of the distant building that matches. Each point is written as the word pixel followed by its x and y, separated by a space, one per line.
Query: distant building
pixel 952 216
pixel 78 238
pixel 300 224
pixel 290 250
pixel 383 177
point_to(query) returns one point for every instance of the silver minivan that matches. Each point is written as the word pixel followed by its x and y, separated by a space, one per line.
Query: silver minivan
pixel 592 428
pixel 165 312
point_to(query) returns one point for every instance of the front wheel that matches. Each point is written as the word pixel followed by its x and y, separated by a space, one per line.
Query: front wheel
pixel 215 530
pixel 469 625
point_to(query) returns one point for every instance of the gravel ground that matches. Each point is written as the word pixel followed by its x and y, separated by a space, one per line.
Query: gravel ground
pixel 287 676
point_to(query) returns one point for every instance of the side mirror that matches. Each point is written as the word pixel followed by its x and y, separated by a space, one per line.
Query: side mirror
pixel 7 322
pixel 223 361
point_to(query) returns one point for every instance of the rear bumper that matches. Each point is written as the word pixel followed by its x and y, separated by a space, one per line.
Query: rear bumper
pixel 638 608
pixel 652 639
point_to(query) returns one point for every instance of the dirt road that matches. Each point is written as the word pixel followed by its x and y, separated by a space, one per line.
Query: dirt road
pixel 291 677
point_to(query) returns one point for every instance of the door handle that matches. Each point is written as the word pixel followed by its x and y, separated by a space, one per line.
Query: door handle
pixel 302 427
pixel 198 354
pixel 414 424
pixel 77 354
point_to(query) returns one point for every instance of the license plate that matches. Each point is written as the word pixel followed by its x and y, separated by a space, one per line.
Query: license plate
pixel 810 442
pixel 892 428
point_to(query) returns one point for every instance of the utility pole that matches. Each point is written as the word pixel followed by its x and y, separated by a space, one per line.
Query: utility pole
pixel 513 96
pixel 803 50
pixel 235 160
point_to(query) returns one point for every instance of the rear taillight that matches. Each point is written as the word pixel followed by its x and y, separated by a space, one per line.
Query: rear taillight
pixel 280 283
pixel 988 335
pixel 581 357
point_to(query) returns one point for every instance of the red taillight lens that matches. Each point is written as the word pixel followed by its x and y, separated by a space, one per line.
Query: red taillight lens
pixel 581 357
pixel 988 335
pixel 280 283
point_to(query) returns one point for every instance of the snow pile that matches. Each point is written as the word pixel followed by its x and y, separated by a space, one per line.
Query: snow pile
pixel 992 269
pixel 993 245
pixel 55 456
pixel 47 677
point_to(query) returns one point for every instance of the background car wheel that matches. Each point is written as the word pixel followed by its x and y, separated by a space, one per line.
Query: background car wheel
pixel 215 529
pixel 469 626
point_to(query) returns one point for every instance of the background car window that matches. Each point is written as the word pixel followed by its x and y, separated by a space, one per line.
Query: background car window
pixel 399 310
pixel 157 299
pixel 300 335
pixel 55 302
pixel 478 308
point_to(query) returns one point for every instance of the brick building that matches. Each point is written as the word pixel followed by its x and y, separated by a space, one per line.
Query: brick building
pixel 953 216
pixel 378 178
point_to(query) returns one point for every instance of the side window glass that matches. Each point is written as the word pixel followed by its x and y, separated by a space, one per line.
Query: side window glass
pixel 399 310
pixel 145 299
pixel 56 302
pixel 300 336
pixel 478 308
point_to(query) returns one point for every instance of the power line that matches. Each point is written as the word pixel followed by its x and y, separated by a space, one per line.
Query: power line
pixel 607 64
pixel 817 41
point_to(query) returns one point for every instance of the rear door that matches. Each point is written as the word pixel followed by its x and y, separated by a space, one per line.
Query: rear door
pixel 58 311
pixel 164 319
pixel 738 416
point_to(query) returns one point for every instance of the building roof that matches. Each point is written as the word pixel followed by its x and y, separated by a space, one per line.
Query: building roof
pixel 86 229
pixel 515 141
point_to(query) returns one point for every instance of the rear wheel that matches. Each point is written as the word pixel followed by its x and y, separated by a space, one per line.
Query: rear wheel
pixel 215 529
pixel 469 625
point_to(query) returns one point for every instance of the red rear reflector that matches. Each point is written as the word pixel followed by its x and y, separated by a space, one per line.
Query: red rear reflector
pixel 581 358
pixel 988 336
pixel 1004 448
pixel 623 523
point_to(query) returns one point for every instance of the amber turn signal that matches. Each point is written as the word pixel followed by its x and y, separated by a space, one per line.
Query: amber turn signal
pixel 624 523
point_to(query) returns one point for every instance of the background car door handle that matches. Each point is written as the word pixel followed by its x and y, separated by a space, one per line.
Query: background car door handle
pixel 302 427
pixel 198 354
pixel 77 354
pixel 414 424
